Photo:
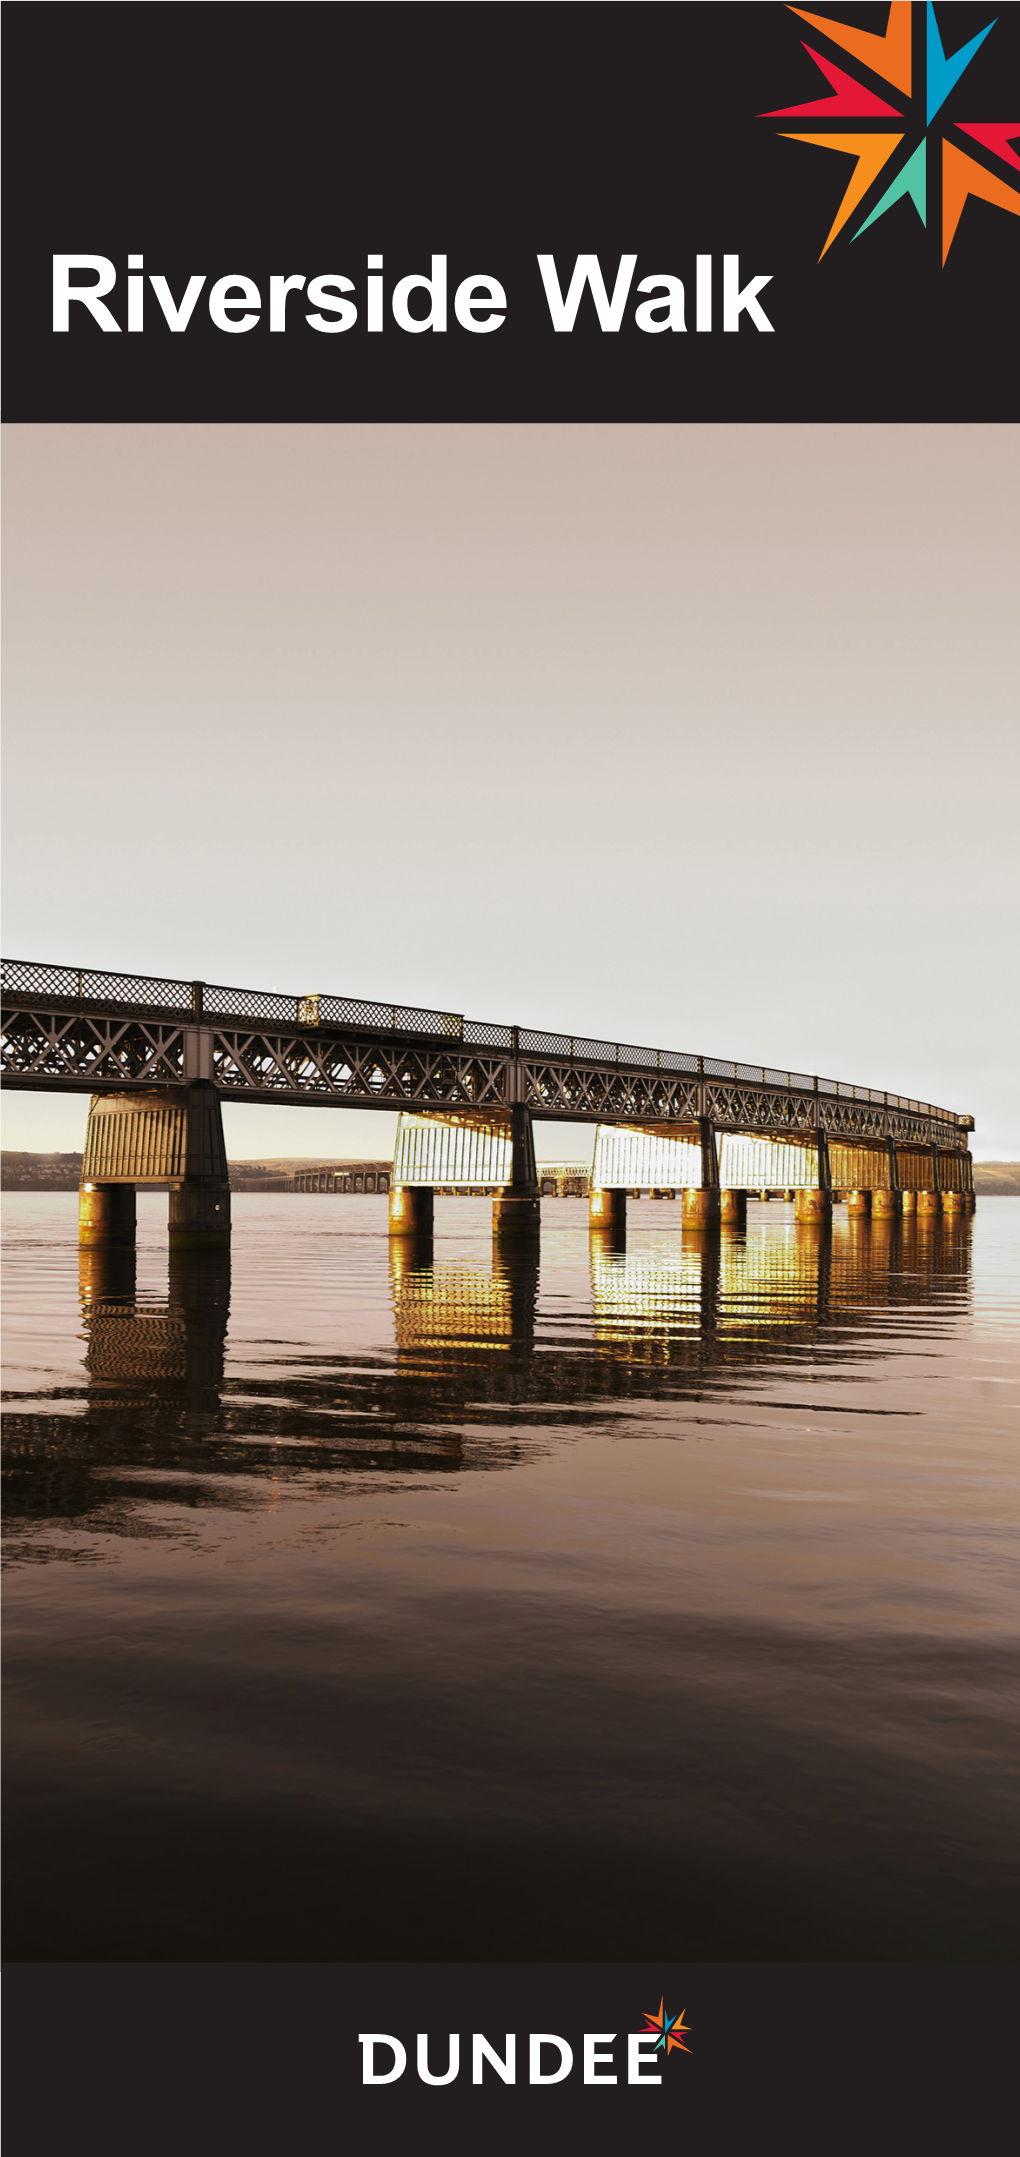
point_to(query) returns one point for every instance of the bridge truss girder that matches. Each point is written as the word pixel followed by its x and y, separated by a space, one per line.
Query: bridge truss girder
pixel 46 1048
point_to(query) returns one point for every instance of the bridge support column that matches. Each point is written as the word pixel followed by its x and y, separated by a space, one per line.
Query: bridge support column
pixel 411 1209
pixel 929 1202
pixel 908 1201
pixel 200 1212
pixel 702 1207
pixel 167 1135
pixel 955 1201
pixel 733 1209
pixel 858 1202
pixel 516 1212
pixel 517 1208
pixel 815 1204
pixel 106 1215
pixel 811 1205
pixel 885 1205
pixel 200 1203
pixel 607 1209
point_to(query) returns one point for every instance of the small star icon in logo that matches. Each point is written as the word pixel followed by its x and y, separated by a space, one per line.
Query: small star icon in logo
pixel 671 2030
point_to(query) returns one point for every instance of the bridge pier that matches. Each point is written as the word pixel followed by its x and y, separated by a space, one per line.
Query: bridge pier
pixel 813 1202
pixel 106 1215
pixel 200 1212
pixel 607 1209
pixel 812 1205
pixel 733 1209
pixel 516 1212
pixel 517 1208
pixel 885 1205
pixel 859 1202
pixel 411 1210
pixel 200 1202
pixel 162 1136
pixel 703 1207
pixel 929 1203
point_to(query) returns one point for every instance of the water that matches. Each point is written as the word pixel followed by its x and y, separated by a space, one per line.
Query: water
pixel 621 1602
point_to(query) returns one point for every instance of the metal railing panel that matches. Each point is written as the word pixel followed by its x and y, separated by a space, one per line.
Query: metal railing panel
pixel 479 1033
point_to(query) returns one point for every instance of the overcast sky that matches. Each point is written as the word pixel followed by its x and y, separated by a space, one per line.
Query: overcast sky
pixel 701 737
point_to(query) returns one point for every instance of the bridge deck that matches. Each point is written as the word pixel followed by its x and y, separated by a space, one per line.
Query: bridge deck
pixel 73 1030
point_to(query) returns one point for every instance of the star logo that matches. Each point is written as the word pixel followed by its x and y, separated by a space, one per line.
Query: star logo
pixel 910 47
pixel 670 2030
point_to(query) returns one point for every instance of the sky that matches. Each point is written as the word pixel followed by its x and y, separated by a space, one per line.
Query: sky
pixel 700 737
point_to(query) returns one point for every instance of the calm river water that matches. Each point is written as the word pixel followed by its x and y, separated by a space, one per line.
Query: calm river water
pixel 620 1602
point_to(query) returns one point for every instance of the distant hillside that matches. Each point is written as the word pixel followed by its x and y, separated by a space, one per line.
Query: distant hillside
pixel 997 1179
pixel 62 1171
pixel 40 1171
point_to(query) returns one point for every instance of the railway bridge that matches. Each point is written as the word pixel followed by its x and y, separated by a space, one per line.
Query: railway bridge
pixel 158 1057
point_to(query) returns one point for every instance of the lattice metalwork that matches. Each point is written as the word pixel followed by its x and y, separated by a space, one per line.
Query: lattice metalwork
pixel 44 1048
pixel 744 1108
pixel 589 1090
pixel 344 1068
pixel 478 1033
pixel 61 1022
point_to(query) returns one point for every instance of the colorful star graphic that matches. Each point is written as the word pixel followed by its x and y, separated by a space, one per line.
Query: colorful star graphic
pixel 889 55
pixel 671 2029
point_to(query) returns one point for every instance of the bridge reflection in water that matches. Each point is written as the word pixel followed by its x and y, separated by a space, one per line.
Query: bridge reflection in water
pixel 671 1316
pixel 477 1586
pixel 482 1372
pixel 143 1354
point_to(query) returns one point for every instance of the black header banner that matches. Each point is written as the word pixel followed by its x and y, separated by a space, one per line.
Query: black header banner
pixel 662 212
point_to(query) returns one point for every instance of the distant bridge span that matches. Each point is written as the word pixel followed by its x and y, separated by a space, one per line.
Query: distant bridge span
pixel 172 1050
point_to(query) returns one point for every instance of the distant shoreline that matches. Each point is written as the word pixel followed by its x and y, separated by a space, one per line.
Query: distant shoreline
pixel 62 1172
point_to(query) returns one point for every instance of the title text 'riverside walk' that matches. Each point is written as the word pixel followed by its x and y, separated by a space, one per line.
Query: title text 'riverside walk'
pixel 158 1056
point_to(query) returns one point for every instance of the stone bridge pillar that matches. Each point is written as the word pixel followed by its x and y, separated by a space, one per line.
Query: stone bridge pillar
pixel 164 1135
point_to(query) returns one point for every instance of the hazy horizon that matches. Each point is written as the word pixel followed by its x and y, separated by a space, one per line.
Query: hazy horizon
pixel 700 737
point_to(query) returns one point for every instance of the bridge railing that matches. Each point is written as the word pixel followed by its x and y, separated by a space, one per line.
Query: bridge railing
pixel 29 980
